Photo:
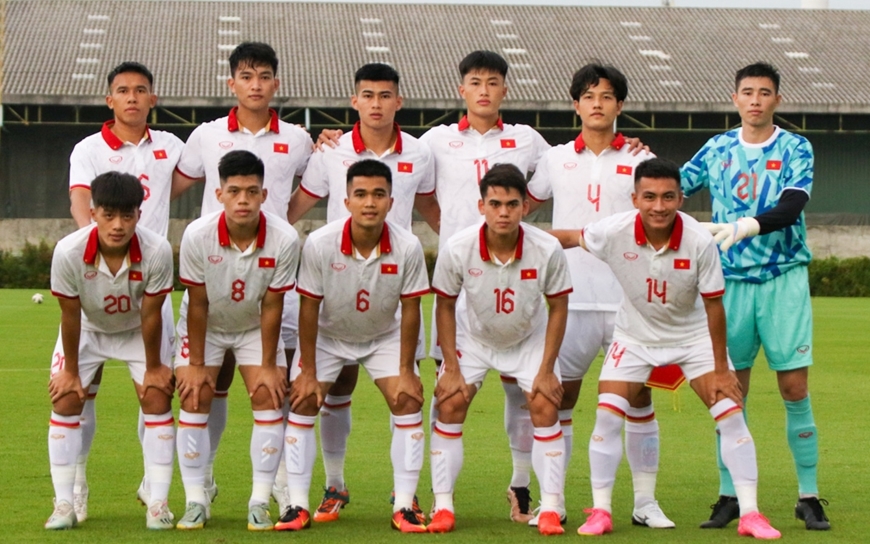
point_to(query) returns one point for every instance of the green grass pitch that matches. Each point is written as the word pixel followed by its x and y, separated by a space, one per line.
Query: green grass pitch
pixel 687 481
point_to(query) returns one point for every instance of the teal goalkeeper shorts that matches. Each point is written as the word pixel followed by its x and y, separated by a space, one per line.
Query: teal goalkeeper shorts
pixel 775 314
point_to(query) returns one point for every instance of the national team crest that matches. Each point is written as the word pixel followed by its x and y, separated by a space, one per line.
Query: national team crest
pixel 508 143
pixel 682 264
pixel 405 167
pixel 774 165
pixel 160 154
pixel 391 269
pixel 281 148
pixel 529 274
pixel 135 275
pixel 623 169
pixel 267 262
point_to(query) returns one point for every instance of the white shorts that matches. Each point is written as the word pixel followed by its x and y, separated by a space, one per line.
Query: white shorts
pixel 586 333
pixel 289 318
pixel 246 346
pixel 626 362
pixel 420 352
pixel 380 357
pixel 95 348
pixel 520 362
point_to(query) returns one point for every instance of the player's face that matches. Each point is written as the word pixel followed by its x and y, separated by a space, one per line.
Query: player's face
pixel 130 98
pixel 114 228
pixel 503 209
pixel 483 92
pixel 756 100
pixel 242 197
pixel 657 200
pixel 254 86
pixel 377 103
pixel 598 107
pixel 368 200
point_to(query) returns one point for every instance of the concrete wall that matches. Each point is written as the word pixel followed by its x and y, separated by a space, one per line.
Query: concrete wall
pixel 825 241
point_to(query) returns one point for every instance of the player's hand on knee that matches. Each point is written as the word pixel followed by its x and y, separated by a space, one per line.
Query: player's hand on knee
pixel 160 379
pixel 410 385
pixel 727 385
pixel 635 146
pixel 728 234
pixel 327 138
pixel 63 383
pixel 451 382
pixel 303 387
pixel 549 386
pixel 191 382
pixel 273 380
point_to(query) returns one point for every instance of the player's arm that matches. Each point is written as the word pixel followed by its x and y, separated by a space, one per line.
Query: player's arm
pixel 270 376
pixel 450 380
pixel 409 382
pixel 786 213
pixel 181 183
pixel 80 206
pixel 428 207
pixel 725 381
pixel 568 238
pixel 306 383
pixel 546 383
pixel 327 138
pixel 67 380
pixel 157 375
pixel 195 376
pixel 300 203
pixel 635 146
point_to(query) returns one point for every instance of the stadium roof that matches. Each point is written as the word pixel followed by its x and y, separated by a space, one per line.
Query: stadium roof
pixel 59 51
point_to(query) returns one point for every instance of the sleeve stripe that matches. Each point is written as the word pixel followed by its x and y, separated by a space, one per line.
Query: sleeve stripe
pixel 177 169
pixel 415 294
pixel 533 197
pixel 61 295
pixel 79 186
pixel 441 293
pixel 561 293
pixel 308 294
pixel 714 294
pixel 192 283
pixel 309 193
pixel 161 292
pixel 282 289
pixel 430 193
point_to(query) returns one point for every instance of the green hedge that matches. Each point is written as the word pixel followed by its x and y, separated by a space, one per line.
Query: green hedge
pixel 832 277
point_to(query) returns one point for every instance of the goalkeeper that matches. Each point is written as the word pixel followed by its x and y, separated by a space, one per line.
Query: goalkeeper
pixel 760 177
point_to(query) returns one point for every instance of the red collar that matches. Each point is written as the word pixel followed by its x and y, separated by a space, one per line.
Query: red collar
pixel 484 251
pixel 347 243
pixel 465 125
pixel 113 141
pixel 233 121
pixel 676 234
pixel 359 146
pixel 224 231
pixel 617 143
pixel 93 248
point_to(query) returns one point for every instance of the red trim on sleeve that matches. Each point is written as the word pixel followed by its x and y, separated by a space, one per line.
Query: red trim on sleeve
pixel 561 293
pixel 79 186
pixel 177 169
pixel 158 293
pixel 441 293
pixel 61 295
pixel 714 294
pixel 282 289
pixel 430 193
pixel 309 193
pixel 308 294
pixel 533 197
pixel 415 294
pixel 192 283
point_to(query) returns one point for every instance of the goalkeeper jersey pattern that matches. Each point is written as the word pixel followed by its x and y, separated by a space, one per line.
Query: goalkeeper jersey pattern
pixel 746 180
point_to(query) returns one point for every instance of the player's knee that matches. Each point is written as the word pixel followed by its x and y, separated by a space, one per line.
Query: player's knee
pixel 155 402
pixel 68 405
pixel 544 413
pixel 453 409
pixel 642 399
pixel 793 386
pixel 405 405
pixel 307 406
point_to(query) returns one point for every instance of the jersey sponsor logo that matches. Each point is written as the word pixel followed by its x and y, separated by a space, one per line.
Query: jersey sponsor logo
pixel 569 165
pixel 529 274
pixel 406 167
pixel 215 259
pixel 553 453
pixel 90 274
pixel 160 154
pixel 267 262
pixel 774 165
pixel 191 455
pixel 806 434
pixel 508 143
pixel 803 349
pixel 225 145
pixel 456 144
pixel 135 275
pixel 348 163
pixel 338 267
pixel 630 256
pixel 116 159
pixel 475 272
pixel 682 264
pixel 281 148
pixel 387 268
pixel 624 169
pixel 291 440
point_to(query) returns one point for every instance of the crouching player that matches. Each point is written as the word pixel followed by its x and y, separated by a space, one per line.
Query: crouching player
pixel 672 312
pixel 361 280
pixel 506 274
pixel 237 265
pixel 111 280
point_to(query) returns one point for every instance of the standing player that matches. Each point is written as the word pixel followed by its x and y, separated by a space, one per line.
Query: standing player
pixel 284 148
pixel 361 280
pixel 672 312
pixel 111 280
pixel 237 265
pixel 589 179
pixel 508 274
pixel 760 178
pixel 375 136
pixel 124 144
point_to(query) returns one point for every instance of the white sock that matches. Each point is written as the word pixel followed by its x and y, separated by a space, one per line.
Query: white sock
pixel 548 458
pixel 192 442
pixel 281 475
pixel 446 456
pixel 433 413
pixel 64 447
pixel 406 453
pixel 88 423
pixel 518 425
pixel 158 450
pixel 267 441
pixel 140 428
pixel 738 453
pixel 605 448
pixel 335 425
pixel 642 450
pixel 300 450
pixel 217 422
pixel 567 422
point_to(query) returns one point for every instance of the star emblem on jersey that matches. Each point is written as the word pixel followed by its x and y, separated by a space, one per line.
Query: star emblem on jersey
pixel 160 154
pixel 508 143
pixel 529 274
pixel 774 165
pixel 225 145
pixel 281 148
pixel 682 264
pixel 389 268
pixel 267 262
pixel 135 275
pixel 405 167
pixel 623 169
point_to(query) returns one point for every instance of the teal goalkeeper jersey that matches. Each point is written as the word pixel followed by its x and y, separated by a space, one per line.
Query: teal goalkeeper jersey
pixel 746 180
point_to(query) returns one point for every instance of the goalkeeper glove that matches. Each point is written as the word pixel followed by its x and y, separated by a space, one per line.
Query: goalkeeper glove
pixel 728 234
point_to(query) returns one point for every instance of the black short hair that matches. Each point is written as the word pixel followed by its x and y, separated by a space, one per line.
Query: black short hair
pixel 127 67
pixel 240 163
pixel 759 69
pixel 506 176
pixel 657 168
pixel 487 61
pixel 253 54
pixel 591 74
pixel 370 168
pixel 376 71
pixel 117 191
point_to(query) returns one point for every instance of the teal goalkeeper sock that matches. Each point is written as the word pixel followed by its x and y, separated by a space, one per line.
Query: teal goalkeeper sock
pixel 726 484
pixel 803 440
